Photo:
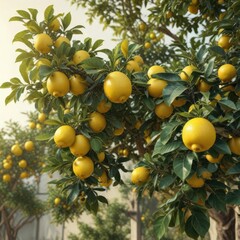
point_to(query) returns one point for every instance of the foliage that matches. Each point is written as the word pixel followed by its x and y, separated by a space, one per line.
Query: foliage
pixel 147 140
pixel 111 222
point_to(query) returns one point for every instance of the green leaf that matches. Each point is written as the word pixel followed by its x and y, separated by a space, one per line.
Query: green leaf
pixel 16 18
pixel 34 13
pixel 24 72
pixel 33 27
pixel 24 14
pixel 149 103
pixel 11 96
pixel 52 122
pixel 189 229
pixel 44 137
pixel 182 167
pixel 167 131
pixel 233 197
pixel 201 53
pixel 6 85
pixel 96 144
pixel 161 225
pixel 48 13
pixel 234 169
pixel 221 146
pixel 169 77
pixel 200 221
pixel 73 195
pixel 217 200
pixel 92 63
pixel 45 71
pixel 102 199
pixel 162 149
pixel 97 44
pixel 218 50
pixel 172 91
pixel 66 20
pixel 209 68
pixel 227 104
pixel 166 181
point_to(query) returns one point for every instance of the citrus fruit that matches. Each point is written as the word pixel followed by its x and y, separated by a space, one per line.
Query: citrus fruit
pixel 234 145
pixel 42 117
pixel 147 45
pixel 193 9
pixel 179 102
pixel 187 72
pixel 60 40
pixel 101 156
pixel 124 47
pixel 80 56
pixel 163 111
pixel 156 86
pixel 29 146
pixel 42 62
pixel 198 134
pixel 224 42
pixel 203 86
pixel 54 25
pixel 104 180
pixel 22 163
pixel 81 146
pixel 78 85
pixel 83 167
pixel 7 165
pixel 169 14
pixel 154 70
pixel 24 175
pixel 43 43
pixel 206 174
pixel 195 182
pixel 142 26
pixel 97 122
pixel 32 125
pixel 6 177
pixel 118 131
pixel 212 159
pixel 140 175
pixel 227 72
pixel 104 106
pixel 138 59
pixel 117 87
pixel 16 150
pixel 58 84
pixel 57 201
pixel 64 136
pixel 132 66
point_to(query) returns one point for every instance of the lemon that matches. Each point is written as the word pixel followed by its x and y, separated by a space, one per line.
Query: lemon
pixel 83 167
pixel 57 201
pixel 97 122
pixel 22 163
pixel 6 177
pixel 154 70
pixel 104 106
pixel 163 111
pixel 132 66
pixel 101 156
pixel 81 146
pixel 140 175
pixel 187 72
pixel 16 150
pixel 29 146
pixel 156 86
pixel 198 134
pixel 80 56
pixel 43 43
pixel 234 145
pixel 42 117
pixel 54 25
pixel 78 85
pixel 195 182
pixel 117 87
pixel 212 159
pixel 60 40
pixel 227 72
pixel 64 136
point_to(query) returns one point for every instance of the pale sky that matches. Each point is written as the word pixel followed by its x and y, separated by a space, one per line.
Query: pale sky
pixel 9 68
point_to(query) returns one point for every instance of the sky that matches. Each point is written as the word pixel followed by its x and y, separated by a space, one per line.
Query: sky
pixel 8 67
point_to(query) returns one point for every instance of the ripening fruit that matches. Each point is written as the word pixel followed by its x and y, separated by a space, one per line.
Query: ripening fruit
pixel 187 72
pixel 83 167
pixel 224 42
pixel 206 174
pixel 154 70
pixel 101 156
pixel 118 131
pixel 179 102
pixel 57 201
pixel 24 175
pixel 80 56
pixel 132 66
pixel 169 14
pixel 195 182
pixel 43 43
pixel 212 159
pixel 142 26
pixel 104 106
pixel 234 145
pixel 64 136
pixel 54 25
pixel 61 40
pixel 198 134
pixel 156 86
pixel 124 47
pixel 29 146
pixel 193 9
pixel 104 180
pixel 138 59
pixel 227 72
pixel 97 122
pixel 163 111
pixel 6 177
pixel 32 125
pixel 203 86
pixel 22 163
pixel 58 84
pixel 43 62
pixel 147 45
pixel 140 175
pixel 7 165
pixel 42 117
pixel 16 150
pixel 117 87
pixel 78 85
pixel 81 146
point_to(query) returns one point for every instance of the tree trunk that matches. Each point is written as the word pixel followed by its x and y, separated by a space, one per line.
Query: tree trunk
pixel 226 225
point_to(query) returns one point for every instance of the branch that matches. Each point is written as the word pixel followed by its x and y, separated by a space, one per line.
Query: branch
pixel 23 221
pixel 165 30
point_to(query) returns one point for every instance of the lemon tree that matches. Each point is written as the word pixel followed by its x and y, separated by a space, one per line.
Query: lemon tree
pixel 180 129
pixel 21 164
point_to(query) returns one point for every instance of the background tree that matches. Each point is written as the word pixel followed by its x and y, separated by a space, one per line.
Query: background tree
pixel 178 121
pixel 20 171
